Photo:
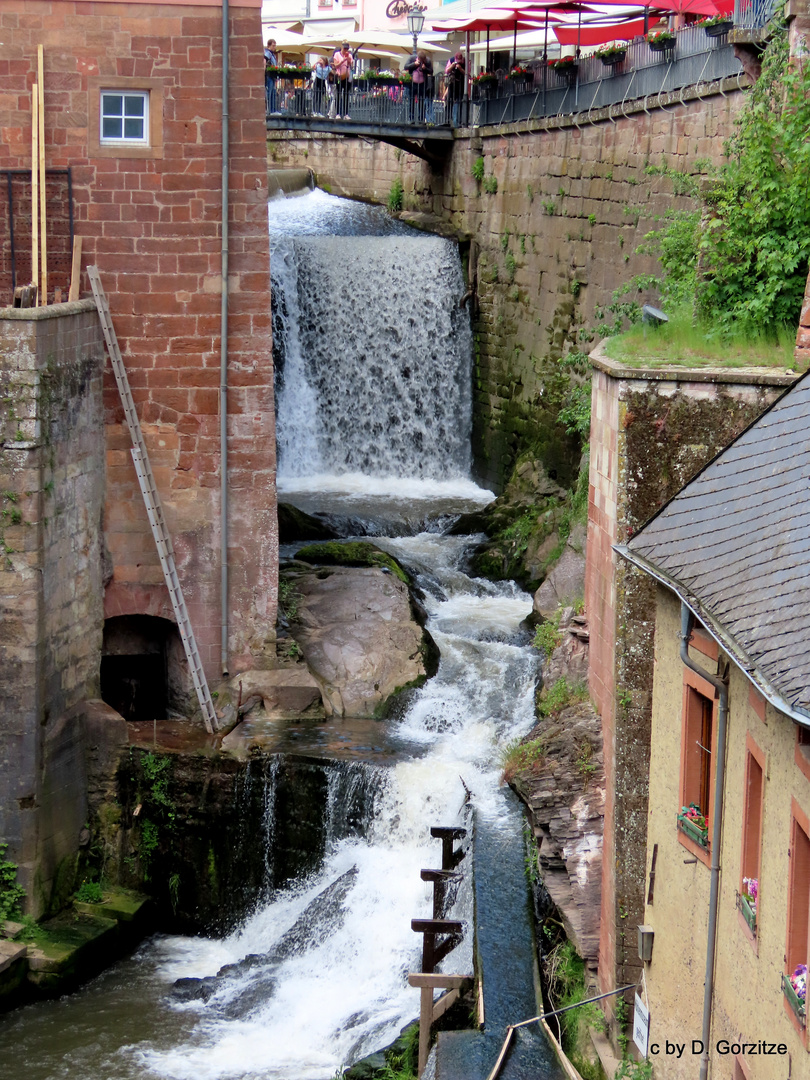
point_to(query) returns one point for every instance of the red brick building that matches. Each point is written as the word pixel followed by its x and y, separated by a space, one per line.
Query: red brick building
pixel 133 109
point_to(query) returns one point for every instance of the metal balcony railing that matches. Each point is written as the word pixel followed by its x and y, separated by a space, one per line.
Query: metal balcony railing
pixel 696 59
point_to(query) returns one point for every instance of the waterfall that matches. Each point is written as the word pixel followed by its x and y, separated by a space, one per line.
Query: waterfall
pixel 373 356
pixel 374 399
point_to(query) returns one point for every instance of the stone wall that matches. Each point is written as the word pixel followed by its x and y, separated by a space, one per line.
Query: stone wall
pixel 51 607
pixel 150 218
pixel 550 246
pixel 651 431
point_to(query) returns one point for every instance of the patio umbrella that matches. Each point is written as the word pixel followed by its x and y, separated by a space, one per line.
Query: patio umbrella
pixel 487 18
pixel 599 35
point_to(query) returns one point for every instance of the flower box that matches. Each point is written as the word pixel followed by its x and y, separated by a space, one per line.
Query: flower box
pixel 662 41
pixel 748 912
pixel 565 69
pixel 611 55
pixel 796 1003
pixel 716 26
pixel 612 59
pixel 693 831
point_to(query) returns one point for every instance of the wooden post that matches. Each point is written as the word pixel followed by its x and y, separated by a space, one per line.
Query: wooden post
pixel 35 186
pixel 75 269
pixel 425 1022
pixel 43 239
pixel 441 879
pixel 448 834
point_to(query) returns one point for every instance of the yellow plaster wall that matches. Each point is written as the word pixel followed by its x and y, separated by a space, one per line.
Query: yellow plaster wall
pixel 748 1003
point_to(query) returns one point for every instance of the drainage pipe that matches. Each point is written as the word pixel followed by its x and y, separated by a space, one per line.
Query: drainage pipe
pixel 223 348
pixel 721 686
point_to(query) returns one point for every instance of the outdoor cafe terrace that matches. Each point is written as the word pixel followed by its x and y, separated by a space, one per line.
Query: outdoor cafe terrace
pixel 696 56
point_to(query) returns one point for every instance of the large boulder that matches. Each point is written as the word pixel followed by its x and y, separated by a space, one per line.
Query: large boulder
pixel 360 639
pixel 565 583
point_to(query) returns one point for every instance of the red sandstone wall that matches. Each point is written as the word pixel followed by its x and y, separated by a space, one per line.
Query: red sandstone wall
pixel 150 219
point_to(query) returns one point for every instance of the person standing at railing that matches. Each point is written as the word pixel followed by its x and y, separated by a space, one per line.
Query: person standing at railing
pixel 342 63
pixel 320 80
pixel 454 74
pixel 270 61
pixel 421 70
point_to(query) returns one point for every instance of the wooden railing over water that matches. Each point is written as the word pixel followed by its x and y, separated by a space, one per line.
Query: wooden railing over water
pixel 440 937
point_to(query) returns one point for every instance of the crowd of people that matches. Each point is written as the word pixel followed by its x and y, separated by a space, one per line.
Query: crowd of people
pixel 331 83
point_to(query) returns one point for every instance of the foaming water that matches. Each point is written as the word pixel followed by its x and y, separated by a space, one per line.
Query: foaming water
pixel 373 350
pixel 374 422
pixel 330 984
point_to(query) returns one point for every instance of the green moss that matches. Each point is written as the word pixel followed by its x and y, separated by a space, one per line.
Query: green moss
pixel 351 553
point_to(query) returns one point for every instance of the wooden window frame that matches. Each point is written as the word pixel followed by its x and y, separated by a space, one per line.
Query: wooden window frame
pixel 752 753
pixel 801 751
pixel 693 681
pixel 798 821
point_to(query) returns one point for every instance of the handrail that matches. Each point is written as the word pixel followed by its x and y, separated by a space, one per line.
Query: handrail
pixel 697 60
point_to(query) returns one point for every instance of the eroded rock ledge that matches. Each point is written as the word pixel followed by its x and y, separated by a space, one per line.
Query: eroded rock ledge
pixel 565 795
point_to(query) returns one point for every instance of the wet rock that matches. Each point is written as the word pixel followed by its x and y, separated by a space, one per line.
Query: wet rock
pixel 321 917
pixel 357 631
pixel 195 989
pixel 294 524
pixel 288 691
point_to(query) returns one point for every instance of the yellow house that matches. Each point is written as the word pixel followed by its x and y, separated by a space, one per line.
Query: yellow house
pixel 727 904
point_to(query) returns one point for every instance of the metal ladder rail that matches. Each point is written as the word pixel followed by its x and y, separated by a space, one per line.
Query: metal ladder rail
pixel 154 509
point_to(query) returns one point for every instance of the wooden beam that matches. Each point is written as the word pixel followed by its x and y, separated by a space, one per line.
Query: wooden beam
pixel 75 269
pixel 438 979
pixel 43 237
pixel 436 926
pixel 35 186
pixel 445 1002
pixel 425 1021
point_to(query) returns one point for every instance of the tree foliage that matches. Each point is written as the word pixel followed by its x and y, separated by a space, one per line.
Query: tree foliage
pixel 754 242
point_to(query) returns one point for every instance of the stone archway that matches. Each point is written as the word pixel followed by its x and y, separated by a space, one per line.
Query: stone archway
pixel 144 673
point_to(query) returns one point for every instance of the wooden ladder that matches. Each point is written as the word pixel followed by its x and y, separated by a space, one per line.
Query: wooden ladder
pixel 154 510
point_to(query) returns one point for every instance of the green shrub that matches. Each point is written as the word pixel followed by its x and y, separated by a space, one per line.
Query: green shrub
pixel 90 892
pixel 490 185
pixel 395 196
pixel 522 757
pixel 560 696
pixel 478 169
pixel 11 894
pixel 547 637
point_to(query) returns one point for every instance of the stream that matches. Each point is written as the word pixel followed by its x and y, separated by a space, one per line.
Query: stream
pixel 379 442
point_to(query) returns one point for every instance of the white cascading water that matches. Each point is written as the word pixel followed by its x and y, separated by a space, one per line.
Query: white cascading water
pixel 340 990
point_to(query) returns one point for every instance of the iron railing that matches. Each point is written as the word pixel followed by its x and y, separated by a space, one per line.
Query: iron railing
pixel 695 60
pixel 755 14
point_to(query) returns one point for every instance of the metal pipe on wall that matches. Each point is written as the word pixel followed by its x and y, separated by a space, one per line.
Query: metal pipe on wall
pixel 223 362
pixel 721 685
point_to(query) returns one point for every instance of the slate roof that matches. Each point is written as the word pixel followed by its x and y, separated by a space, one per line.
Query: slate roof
pixel 735 544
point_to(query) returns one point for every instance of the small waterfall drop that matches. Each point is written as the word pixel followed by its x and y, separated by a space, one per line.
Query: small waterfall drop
pixel 373 350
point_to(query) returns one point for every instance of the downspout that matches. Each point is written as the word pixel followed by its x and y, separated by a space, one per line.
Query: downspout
pixel 223 348
pixel 719 782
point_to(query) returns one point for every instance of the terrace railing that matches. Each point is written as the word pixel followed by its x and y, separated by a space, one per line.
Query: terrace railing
pixel 696 59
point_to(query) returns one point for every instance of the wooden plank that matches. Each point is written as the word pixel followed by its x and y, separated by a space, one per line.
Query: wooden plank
pixel 445 1002
pixel 437 980
pixel 75 269
pixel 439 832
pixel 43 238
pixel 436 926
pixel 440 875
pixel 425 1020
pixel 35 186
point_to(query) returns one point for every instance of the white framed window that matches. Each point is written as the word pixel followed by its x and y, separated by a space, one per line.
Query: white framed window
pixel 124 117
